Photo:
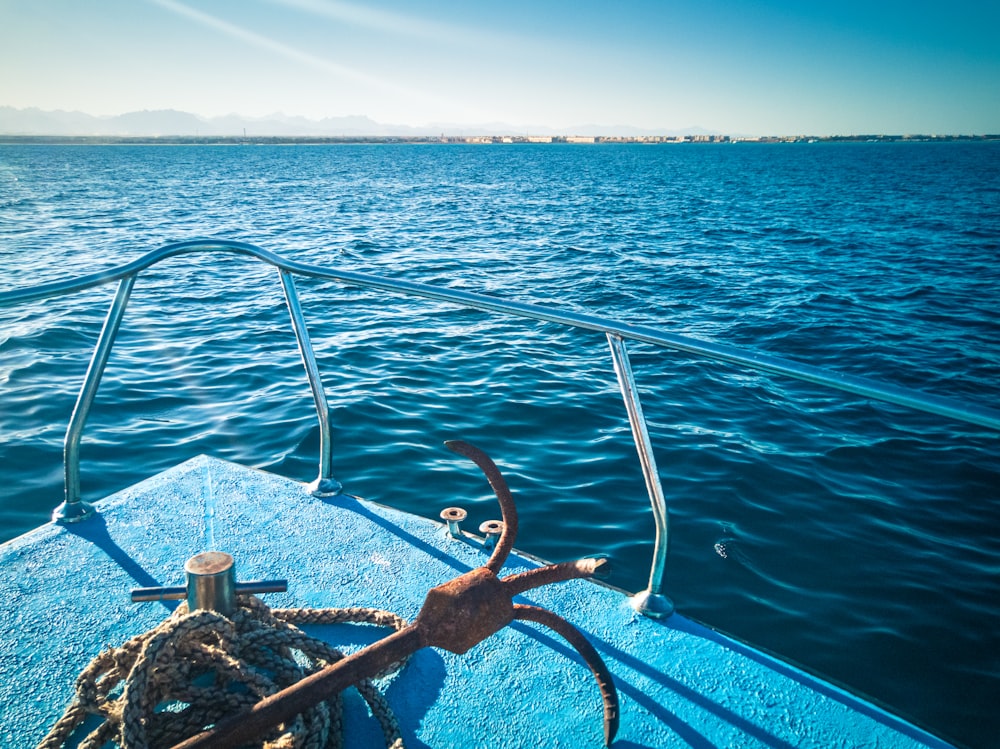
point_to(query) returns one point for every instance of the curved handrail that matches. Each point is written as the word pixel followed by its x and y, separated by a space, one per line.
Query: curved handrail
pixel 652 600
pixel 73 507
pixel 74 285
pixel 862 386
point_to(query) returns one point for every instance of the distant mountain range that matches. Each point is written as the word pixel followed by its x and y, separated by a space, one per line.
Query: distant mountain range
pixel 170 122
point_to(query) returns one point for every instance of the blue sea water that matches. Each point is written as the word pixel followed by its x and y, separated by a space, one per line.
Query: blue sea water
pixel 854 538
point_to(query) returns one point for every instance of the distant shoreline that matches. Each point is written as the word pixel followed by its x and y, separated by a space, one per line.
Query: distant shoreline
pixel 234 140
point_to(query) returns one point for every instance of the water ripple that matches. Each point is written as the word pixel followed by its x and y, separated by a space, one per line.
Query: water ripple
pixel 844 523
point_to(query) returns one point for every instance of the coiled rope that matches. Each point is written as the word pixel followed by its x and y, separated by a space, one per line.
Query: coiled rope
pixel 196 667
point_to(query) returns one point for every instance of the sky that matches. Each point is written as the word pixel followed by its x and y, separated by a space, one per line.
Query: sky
pixel 738 67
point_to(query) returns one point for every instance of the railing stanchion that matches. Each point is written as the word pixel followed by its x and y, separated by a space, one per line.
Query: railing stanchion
pixel 324 485
pixel 652 601
pixel 74 508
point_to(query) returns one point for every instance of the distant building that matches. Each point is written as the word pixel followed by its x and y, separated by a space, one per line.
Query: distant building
pixel 580 139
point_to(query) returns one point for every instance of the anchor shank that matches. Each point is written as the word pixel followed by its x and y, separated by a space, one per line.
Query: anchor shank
pixel 286 704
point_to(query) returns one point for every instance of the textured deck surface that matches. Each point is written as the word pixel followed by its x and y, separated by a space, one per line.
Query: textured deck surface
pixel 64 593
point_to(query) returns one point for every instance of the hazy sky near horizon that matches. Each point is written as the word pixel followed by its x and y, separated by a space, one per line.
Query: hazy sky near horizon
pixel 733 66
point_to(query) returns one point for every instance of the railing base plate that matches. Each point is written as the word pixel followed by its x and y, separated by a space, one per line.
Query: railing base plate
pixel 72 512
pixel 325 487
pixel 653 605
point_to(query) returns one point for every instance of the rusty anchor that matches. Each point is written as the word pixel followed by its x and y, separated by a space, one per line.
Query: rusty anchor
pixel 455 616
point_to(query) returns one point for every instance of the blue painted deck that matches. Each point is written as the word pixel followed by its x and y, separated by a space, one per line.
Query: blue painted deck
pixel 65 596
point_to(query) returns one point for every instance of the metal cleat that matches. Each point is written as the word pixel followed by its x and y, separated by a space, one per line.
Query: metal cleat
pixel 211 585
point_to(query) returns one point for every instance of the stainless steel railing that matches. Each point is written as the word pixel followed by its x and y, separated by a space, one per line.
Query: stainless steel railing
pixel 652 601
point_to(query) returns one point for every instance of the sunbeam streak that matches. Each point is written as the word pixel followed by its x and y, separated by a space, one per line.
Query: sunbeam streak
pixel 321 63
pixel 408 26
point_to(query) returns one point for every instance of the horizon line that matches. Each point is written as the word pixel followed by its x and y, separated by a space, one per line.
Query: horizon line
pixel 380 129
pixel 479 138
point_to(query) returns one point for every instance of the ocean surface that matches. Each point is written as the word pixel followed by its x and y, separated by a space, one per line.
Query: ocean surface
pixel 856 539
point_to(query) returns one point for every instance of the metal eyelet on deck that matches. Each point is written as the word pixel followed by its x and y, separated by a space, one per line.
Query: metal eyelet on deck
pixel 492 530
pixel 454 516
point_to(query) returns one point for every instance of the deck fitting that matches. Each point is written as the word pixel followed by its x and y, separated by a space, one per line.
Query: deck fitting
pixel 492 530
pixel 211 582
pixel 653 605
pixel 73 512
pixel 211 585
pixel 454 516
pixel 325 487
